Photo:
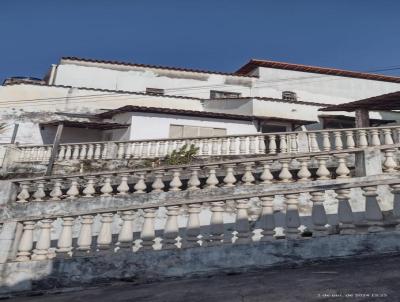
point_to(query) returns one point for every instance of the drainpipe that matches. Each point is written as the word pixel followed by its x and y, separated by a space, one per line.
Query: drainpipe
pixel 53 72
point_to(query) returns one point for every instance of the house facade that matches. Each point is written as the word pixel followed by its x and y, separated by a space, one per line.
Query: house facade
pixel 261 96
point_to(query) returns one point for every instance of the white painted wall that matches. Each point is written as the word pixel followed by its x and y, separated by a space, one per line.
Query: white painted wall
pixel 137 79
pixel 319 88
pixel 33 98
pixel 154 126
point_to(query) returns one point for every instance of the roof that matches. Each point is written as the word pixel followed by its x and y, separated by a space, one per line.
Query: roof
pixel 220 115
pixel 151 66
pixel 389 101
pixel 85 124
pixel 352 119
pixel 254 63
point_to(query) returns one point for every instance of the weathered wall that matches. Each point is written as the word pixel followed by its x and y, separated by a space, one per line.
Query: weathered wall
pixel 183 263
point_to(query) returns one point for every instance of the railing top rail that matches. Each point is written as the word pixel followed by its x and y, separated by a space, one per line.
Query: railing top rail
pixel 210 164
pixel 219 137
pixel 336 185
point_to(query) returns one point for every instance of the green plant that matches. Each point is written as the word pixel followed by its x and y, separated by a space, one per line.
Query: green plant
pixel 182 156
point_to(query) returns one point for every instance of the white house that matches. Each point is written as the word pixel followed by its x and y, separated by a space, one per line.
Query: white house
pixel 272 96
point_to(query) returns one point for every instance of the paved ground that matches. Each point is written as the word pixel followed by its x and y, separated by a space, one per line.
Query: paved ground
pixel 358 280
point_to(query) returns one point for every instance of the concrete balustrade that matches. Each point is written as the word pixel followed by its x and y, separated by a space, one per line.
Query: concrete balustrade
pixel 181 227
pixel 262 143
pixel 247 172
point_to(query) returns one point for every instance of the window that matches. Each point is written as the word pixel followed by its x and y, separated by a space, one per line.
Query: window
pixel 181 131
pixel 155 90
pixel 214 94
pixel 289 96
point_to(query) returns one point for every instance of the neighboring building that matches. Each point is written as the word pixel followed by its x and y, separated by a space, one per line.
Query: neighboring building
pixel 272 96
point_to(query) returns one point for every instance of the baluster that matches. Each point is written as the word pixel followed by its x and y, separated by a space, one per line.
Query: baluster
pixel 158 184
pixel 326 143
pixel 123 187
pixel 39 194
pixel 104 239
pixel 232 146
pixel 229 178
pixel 82 154
pixel 350 140
pixel 373 213
pixel 106 189
pixel 125 236
pixel 85 234
pixel 342 171
pixel 322 172
pixel 248 177
pixel 148 234
pixel 389 164
pixel 171 229
pixel 26 243
pixel 136 150
pixel 214 146
pixel 345 214
pixel 292 218
pixel 121 150
pixel 194 182
pixel 197 146
pixel 387 133
pixel 161 149
pixel 56 193
pixel 293 143
pixel 267 219
pixel 285 175
pixel 64 244
pixel 49 150
pixel 216 235
pixel 145 149
pixel 61 153
pixel 212 180
pixel 170 147
pixel 40 154
pixel 338 140
pixel 35 153
pixel 303 174
pixel 362 139
pixel 23 195
pixel 272 144
pixel 282 143
pixel 90 152
pixel 242 145
pixel 318 215
pixel 395 188
pixel 128 151
pixel 312 138
pixel 41 252
pixel 252 145
pixel 175 183
pixel 73 190
pixel 224 146
pixel 153 149
pixel 89 189
pixel 375 140
pixel 75 154
pixel 206 148
pixel 68 152
pixel 261 145
pixel 140 186
pixel 242 226
pixel 193 226
pixel 97 151
pixel 266 175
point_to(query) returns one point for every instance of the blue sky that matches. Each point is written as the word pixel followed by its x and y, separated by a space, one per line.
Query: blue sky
pixel 216 35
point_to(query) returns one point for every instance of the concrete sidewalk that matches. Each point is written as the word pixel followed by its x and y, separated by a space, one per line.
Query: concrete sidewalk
pixel 373 279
